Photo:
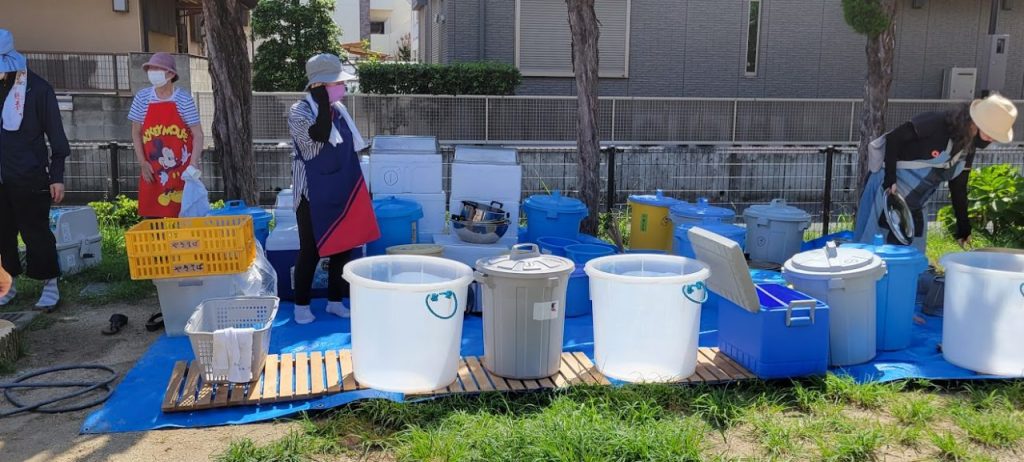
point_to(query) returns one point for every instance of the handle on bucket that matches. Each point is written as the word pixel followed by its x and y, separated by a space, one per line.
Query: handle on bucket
pixel 691 288
pixel 434 297
pixel 801 305
pixel 524 251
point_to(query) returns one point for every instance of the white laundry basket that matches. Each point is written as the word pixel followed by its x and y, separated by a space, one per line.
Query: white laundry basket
pixel 647 315
pixel 407 315
pixel 239 312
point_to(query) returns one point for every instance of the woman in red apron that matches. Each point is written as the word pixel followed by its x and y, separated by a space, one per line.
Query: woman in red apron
pixel 167 137
pixel 333 208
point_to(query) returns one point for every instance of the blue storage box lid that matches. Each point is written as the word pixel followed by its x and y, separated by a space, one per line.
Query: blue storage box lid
pixel 393 207
pixel 260 217
pixel 893 253
pixel 555 202
pixel 658 199
pixel 736 233
pixel 702 210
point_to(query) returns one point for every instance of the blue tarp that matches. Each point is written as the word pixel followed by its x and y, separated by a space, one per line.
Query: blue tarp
pixel 135 405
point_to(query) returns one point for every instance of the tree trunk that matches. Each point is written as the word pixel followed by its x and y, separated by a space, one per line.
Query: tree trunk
pixel 584 27
pixel 364 20
pixel 231 73
pixel 880 51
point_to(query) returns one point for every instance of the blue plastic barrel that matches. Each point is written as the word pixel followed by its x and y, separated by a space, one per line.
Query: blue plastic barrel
pixel 260 217
pixel 397 219
pixel 896 292
pixel 582 253
pixel 555 245
pixel 701 212
pixel 681 240
pixel 553 215
pixel 577 294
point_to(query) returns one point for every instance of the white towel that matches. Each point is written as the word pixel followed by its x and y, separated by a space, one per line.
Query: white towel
pixel 358 143
pixel 232 354
pixel 14 105
pixel 195 199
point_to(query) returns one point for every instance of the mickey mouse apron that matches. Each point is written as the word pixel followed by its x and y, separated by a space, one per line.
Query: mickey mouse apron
pixel 339 202
pixel 166 141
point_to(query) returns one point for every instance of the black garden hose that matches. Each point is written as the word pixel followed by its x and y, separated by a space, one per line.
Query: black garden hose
pixel 45 406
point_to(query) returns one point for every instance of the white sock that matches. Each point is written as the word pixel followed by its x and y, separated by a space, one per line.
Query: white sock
pixel 303 315
pixel 10 295
pixel 50 296
pixel 338 309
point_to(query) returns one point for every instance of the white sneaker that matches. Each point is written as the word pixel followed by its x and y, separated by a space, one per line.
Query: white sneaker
pixel 338 309
pixel 303 315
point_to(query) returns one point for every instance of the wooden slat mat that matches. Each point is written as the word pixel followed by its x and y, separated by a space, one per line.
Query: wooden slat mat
pixel 291 377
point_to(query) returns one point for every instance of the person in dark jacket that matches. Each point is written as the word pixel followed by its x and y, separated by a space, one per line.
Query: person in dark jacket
pixel 31 174
pixel 918 156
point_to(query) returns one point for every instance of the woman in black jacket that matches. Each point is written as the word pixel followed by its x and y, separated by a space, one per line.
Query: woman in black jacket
pixel 921 154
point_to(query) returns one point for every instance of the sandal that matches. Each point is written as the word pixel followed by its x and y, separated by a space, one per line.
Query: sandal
pixel 155 322
pixel 117 322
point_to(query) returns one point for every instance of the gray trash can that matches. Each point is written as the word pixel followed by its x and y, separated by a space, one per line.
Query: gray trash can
pixel 524 311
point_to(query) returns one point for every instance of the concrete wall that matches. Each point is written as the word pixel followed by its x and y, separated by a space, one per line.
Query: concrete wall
pixel 98 118
pixel 72 25
pixel 691 48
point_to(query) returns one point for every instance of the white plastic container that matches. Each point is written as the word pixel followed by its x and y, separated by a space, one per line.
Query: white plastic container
pixel 845 279
pixel 434 210
pixel 179 298
pixel 79 244
pixel 407 321
pixel 647 315
pixel 485 155
pixel 405 164
pixel 255 313
pixel 487 182
pixel 509 204
pixel 775 231
pixel 468 254
pixel 77 256
pixel 983 324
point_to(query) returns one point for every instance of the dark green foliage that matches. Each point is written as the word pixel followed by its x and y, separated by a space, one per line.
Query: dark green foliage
pixel 290 32
pixel 485 78
pixel 866 17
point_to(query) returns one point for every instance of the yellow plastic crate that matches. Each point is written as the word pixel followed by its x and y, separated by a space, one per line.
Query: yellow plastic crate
pixel 187 247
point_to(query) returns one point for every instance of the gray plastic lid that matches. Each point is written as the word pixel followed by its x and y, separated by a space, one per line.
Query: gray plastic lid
pixel 777 210
pixel 730 277
pixel 833 259
pixel 525 261
pixel 405 144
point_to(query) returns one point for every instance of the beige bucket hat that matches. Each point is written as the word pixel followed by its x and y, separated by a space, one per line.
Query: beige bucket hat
pixel 995 116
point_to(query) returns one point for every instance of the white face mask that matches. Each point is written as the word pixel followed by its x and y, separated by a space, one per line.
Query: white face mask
pixel 157 78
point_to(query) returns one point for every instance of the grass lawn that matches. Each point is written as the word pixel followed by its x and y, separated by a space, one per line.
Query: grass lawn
pixel 827 419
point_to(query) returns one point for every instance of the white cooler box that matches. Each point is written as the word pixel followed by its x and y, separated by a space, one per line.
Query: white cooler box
pixel 510 205
pixel 79 244
pixel 434 212
pixel 493 180
pixel 456 249
pixel 405 164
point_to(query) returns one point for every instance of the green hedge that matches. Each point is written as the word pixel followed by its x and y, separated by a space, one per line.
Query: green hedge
pixel 484 78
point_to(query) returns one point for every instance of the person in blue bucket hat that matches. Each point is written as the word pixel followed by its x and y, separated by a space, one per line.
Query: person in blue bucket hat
pixel 31 173
pixel 332 204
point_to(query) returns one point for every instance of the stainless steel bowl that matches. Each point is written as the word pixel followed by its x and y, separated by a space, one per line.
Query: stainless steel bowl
pixel 476 211
pixel 479 232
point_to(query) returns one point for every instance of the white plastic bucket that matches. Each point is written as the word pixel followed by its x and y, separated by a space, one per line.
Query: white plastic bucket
pixel 407 321
pixel 647 315
pixel 983 318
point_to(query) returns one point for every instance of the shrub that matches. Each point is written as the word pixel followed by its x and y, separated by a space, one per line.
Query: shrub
pixel 484 78
pixel 122 212
pixel 995 205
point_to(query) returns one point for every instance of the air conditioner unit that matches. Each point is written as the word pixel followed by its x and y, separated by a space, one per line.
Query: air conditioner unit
pixel 959 82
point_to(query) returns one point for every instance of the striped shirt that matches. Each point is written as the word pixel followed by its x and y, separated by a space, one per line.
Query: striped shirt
pixel 300 118
pixel 186 106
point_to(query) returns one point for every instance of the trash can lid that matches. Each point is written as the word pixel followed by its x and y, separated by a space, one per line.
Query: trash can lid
pixel 239 207
pixel 525 261
pixel 658 199
pixel 777 210
pixel 393 207
pixel 833 260
pixel 702 210
pixel 892 253
pixel 555 202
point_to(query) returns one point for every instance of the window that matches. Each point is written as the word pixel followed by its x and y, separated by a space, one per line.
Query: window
pixel 377 27
pixel 753 33
pixel 544 42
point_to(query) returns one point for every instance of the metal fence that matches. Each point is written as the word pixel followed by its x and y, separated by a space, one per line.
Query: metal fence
pixel 735 176
pixel 79 71
pixel 543 120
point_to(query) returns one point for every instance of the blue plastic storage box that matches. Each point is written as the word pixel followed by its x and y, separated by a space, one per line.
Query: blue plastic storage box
pixel 788 337
pixel 260 217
